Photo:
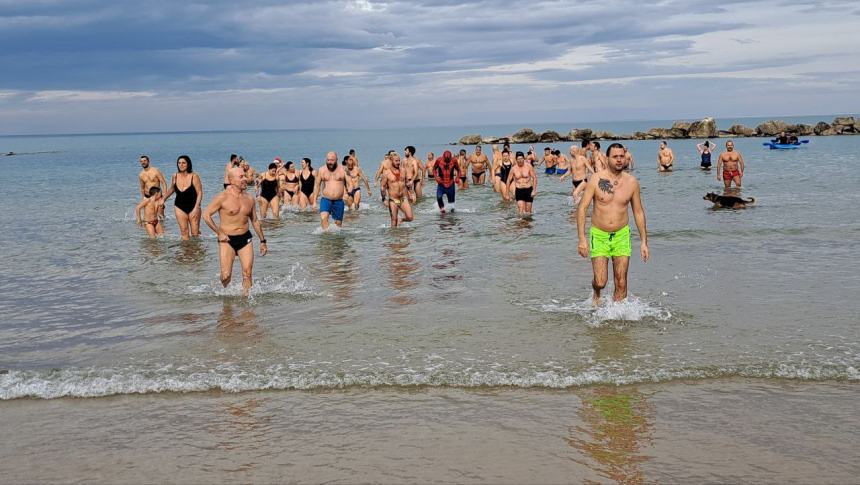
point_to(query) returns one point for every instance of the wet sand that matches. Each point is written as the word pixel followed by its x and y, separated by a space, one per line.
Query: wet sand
pixel 728 430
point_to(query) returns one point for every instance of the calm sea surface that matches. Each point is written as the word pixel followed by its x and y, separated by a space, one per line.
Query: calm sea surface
pixel 90 307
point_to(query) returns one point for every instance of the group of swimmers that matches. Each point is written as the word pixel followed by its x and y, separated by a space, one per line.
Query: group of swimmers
pixel 730 163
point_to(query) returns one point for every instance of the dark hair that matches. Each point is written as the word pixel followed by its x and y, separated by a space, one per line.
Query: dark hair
pixel 273 165
pixel 596 144
pixel 288 165
pixel 614 145
pixel 154 190
pixel 462 152
pixel 187 161
pixel 345 158
pixel 585 143
pixel 410 149
pixel 506 151
pixel 145 156
pixel 352 151
pixel 233 156
pixel 520 154
pixel 308 161
pixel 664 142
pixel 391 151
pixel 557 152
pixel 547 149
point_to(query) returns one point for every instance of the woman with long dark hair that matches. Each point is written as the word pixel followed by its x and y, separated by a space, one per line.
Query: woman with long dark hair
pixel 189 194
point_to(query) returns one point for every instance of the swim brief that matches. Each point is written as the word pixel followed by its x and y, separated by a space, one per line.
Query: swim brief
pixel 730 174
pixel 240 241
pixel 576 183
pixel 610 244
pixel 333 207
pixel 524 194
pixel 353 191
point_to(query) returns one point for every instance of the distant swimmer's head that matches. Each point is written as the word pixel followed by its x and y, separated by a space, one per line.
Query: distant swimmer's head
pixel 290 166
pixel 595 145
pixel 306 164
pixel 352 152
pixel 730 145
pixel 585 143
pixel 547 150
pixel 617 156
pixel 409 150
pixel 154 192
pixel 477 148
pixel 331 160
pixel 395 160
pixel 183 164
pixel 234 159
pixel 273 168
pixel 521 158
pixel 345 160
pixel 246 166
pixel 431 156
pixel 663 144
pixel 144 161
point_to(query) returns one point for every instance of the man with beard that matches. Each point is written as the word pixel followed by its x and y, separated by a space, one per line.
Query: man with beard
pixel 395 182
pixel 332 180
pixel 235 208
pixel 730 166
pixel 150 177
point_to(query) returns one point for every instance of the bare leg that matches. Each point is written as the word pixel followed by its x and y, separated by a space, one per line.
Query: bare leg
pixel 737 180
pixel 600 268
pixel 276 207
pixel 324 220
pixel 392 211
pixel 264 207
pixel 528 207
pixel 195 224
pixel 184 221
pixel 246 259
pixel 303 200
pixel 226 255
pixel 728 183
pixel 357 200
pixel 407 211
pixel 521 207
pixel 619 270
pixel 150 230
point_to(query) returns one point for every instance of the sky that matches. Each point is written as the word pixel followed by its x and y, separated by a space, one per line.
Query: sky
pixel 87 66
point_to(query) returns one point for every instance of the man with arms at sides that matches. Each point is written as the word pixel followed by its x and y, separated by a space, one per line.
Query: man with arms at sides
pixel 463 162
pixel 629 157
pixel 598 160
pixel 354 177
pixel 377 179
pixel 235 208
pixel 412 173
pixel 446 172
pixel 665 158
pixel 523 181
pixel 730 166
pixel 480 163
pixel 331 178
pixel 611 191
pixel 395 181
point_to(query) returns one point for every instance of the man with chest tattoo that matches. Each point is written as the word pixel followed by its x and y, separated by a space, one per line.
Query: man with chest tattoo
pixel 332 180
pixel 730 166
pixel 235 207
pixel 611 191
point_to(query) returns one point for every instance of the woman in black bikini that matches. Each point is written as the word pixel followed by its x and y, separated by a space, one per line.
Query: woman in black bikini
pixel 307 179
pixel 268 194
pixel 290 185
pixel 187 204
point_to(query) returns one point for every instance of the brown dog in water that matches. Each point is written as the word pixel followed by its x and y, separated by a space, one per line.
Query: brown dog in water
pixel 728 201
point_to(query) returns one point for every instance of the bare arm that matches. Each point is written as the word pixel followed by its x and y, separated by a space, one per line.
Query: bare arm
pixel 161 180
pixel 581 210
pixel 317 183
pixel 741 162
pixel 213 207
pixel 142 187
pixel 364 177
pixel 198 187
pixel 719 166
pixel 639 217
pixel 137 210
pixel 169 191
pixel 534 181
pixel 258 228
pixel 671 156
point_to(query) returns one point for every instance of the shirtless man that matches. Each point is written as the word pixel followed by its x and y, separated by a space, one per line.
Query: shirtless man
pixel 548 161
pixel 414 173
pixel 665 158
pixel 598 160
pixel 578 172
pixel 428 167
pixel 395 181
pixel 377 179
pixel 480 163
pixel 233 163
pixel 463 162
pixel 151 205
pixel 354 177
pixel 522 177
pixel 151 177
pixel 611 191
pixel 250 173
pixel 730 166
pixel 332 180
pixel 562 164
pixel 235 208
pixel 628 157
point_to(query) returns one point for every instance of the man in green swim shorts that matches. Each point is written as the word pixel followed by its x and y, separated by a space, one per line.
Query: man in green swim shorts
pixel 611 190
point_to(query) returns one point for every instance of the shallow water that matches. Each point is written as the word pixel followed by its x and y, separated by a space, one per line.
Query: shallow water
pixel 90 307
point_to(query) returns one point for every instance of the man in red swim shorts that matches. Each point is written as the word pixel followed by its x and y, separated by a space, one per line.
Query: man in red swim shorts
pixel 730 166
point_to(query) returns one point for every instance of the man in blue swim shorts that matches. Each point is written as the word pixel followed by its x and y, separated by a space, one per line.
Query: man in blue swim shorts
pixel 611 191
pixel 332 180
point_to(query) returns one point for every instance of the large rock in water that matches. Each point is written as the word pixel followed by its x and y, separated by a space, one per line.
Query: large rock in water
pixel 470 140
pixel 681 125
pixel 549 137
pixel 857 126
pixel 771 128
pixel 844 121
pixel 583 134
pixel 799 129
pixel 526 135
pixel 603 135
pixel 824 129
pixel 741 130
pixel 640 135
pixel 660 132
pixel 705 128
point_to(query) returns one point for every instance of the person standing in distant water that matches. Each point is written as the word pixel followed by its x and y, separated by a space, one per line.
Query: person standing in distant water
pixel 523 180
pixel 152 206
pixel 289 185
pixel 705 152
pixel 578 172
pixel 395 181
pixel 446 172
pixel 732 165
pixel 428 167
pixel 150 177
pixel 414 172
pixel 250 173
pixel 331 180
pixel 548 161
pixel 353 155
pixel 377 179
pixel 480 163
pixel 186 207
pixel 665 157
pixel 307 184
pixel 502 174
pixel 354 177
pixel 611 191
pixel 562 164
pixel 598 161
pixel 233 163
pixel 235 208
pixel 268 196
pixel 463 163
pixel 628 157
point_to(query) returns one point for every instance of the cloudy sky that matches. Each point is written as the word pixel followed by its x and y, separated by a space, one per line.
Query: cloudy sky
pixel 116 66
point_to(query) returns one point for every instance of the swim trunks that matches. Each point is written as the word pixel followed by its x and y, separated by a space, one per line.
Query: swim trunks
pixel 550 171
pixel 240 241
pixel 524 194
pixel 610 244
pixel 462 179
pixel 561 171
pixel 333 207
pixel 730 174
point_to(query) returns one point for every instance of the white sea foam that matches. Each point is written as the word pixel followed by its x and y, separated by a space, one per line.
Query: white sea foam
pixel 630 309
pixel 294 283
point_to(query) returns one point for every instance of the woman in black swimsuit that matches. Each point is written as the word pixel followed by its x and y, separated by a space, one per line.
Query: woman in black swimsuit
pixel 187 204
pixel 290 185
pixel 307 179
pixel 267 196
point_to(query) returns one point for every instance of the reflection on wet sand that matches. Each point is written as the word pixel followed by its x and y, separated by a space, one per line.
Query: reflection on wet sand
pixel 238 327
pixel 191 252
pixel 244 431
pixel 337 269
pixel 402 268
pixel 618 421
